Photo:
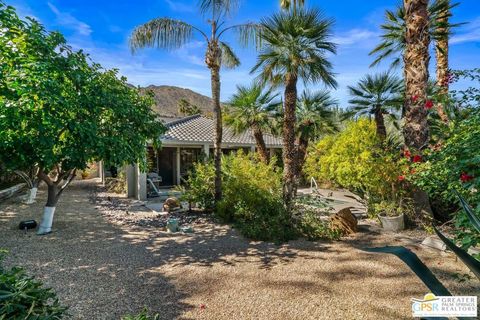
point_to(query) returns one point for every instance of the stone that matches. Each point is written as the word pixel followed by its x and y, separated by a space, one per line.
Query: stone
pixel 435 243
pixel 171 204
pixel 344 221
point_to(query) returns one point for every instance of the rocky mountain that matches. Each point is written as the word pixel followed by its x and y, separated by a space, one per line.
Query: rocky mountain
pixel 168 97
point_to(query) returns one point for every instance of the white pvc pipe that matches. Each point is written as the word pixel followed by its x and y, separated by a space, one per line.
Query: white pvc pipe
pixel 32 194
pixel 47 221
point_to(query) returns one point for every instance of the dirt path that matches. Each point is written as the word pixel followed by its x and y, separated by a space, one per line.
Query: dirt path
pixel 102 270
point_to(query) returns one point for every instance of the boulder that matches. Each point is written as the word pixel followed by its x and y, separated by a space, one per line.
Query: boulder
pixel 344 221
pixel 171 204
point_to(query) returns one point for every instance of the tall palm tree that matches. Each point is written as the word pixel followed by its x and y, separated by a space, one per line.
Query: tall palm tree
pixel 249 108
pixel 377 95
pixel 394 29
pixel 415 58
pixel 294 48
pixel 441 54
pixel 315 117
pixel 292 4
pixel 167 33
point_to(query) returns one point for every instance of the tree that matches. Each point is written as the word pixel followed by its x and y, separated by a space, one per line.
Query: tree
pixel 394 31
pixel 415 58
pixel 186 108
pixel 315 117
pixel 62 111
pixel 249 108
pixel 441 54
pixel 289 4
pixel 376 95
pixel 294 47
pixel 167 33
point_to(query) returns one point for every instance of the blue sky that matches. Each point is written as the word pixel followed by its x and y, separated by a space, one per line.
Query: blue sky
pixel 101 28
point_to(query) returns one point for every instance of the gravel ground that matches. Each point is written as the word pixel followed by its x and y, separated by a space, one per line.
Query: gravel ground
pixel 103 268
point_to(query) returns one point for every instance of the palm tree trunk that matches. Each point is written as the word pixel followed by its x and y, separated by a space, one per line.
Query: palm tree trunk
pixel 380 123
pixel 289 150
pixel 416 58
pixel 302 146
pixel 213 60
pixel 261 147
pixel 441 53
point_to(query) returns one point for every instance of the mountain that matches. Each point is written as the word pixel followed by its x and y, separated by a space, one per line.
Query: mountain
pixel 167 98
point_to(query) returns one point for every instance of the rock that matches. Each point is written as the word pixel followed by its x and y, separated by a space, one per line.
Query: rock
pixel 435 243
pixel 344 221
pixel 171 204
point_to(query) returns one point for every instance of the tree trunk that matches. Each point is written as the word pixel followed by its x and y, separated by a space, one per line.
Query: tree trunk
pixel 289 150
pixel 302 146
pixel 416 58
pixel 213 59
pixel 441 53
pixel 380 123
pixel 49 210
pixel 262 148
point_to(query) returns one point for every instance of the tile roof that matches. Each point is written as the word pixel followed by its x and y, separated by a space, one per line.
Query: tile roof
pixel 198 129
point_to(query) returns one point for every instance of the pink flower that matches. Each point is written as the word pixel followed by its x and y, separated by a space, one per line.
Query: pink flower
pixel 464 177
pixel 401 178
pixel 428 104
pixel 417 158
pixel 415 98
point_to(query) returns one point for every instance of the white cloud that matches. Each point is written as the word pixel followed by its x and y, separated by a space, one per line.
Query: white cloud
pixel 471 34
pixel 355 37
pixel 66 20
pixel 177 6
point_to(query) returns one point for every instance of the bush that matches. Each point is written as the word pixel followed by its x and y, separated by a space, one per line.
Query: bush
pixel 312 227
pixel 22 297
pixel 355 159
pixel 251 196
pixel 455 166
pixel 144 315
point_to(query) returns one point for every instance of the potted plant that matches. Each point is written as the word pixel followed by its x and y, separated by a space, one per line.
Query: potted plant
pixel 391 214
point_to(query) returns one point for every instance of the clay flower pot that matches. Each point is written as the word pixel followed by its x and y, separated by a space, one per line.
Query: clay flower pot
pixel 396 223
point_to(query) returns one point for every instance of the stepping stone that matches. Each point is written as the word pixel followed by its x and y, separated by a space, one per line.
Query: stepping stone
pixel 435 243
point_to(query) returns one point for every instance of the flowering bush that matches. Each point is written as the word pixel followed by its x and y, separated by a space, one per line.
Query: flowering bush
pixel 355 159
pixel 454 166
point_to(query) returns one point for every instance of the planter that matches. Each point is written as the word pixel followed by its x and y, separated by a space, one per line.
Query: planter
pixel 392 223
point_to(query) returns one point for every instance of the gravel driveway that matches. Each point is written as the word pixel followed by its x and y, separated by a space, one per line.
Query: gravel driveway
pixel 103 270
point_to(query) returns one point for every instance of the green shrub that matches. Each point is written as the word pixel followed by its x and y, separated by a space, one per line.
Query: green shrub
pixel 251 196
pixel 312 227
pixel 22 297
pixel 455 166
pixel 356 160
pixel 144 315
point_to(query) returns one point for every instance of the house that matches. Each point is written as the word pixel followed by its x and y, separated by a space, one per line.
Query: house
pixel 188 140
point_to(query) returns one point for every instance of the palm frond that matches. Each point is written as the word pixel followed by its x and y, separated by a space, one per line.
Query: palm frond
pixel 218 8
pixel 229 58
pixel 163 33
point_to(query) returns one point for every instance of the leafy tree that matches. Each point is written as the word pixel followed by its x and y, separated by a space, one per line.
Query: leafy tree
pixel 59 111
pixel 294 48
pixel 249 108
pixel 376 95
pixel 167 33
pixel 188 109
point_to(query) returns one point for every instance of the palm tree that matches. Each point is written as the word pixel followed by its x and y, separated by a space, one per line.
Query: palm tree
pixel 289 4
pixel 394 30
pixel 248 108
pixel 167 33
pixel 415 58
pixel 315 117
pixel 376 95
pixel 294 47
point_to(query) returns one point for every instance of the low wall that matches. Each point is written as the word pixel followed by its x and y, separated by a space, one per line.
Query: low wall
pixel 9 192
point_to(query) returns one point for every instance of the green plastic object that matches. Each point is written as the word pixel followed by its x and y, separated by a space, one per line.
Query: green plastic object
pixel 172 225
